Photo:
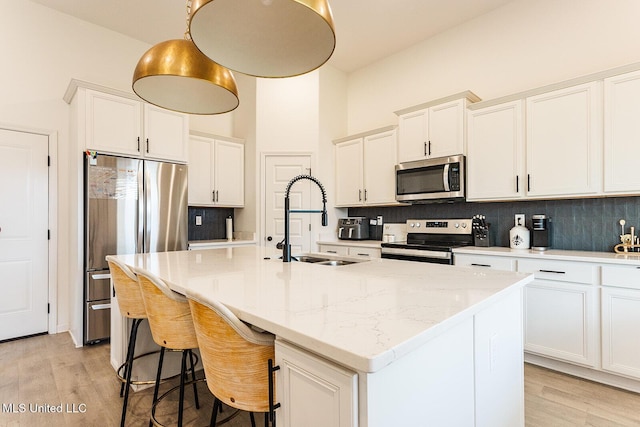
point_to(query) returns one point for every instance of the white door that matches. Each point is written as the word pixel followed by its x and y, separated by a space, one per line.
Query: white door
pixel 279 170
pixel 23 234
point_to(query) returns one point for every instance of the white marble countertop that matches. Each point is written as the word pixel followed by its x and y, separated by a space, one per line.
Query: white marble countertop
pixel 363 316
pixel 554 254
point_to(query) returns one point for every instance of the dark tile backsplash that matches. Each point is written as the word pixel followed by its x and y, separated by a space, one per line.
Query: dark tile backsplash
pixel 213 223
pixel 580 224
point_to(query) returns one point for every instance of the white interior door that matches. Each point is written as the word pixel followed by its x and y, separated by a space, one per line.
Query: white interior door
pixel 23 234
pixel 279 170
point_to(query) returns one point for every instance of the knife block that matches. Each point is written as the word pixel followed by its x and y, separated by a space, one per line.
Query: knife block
pixel 482 238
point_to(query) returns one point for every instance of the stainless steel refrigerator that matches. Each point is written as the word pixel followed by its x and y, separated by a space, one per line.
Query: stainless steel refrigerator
pixel 130 206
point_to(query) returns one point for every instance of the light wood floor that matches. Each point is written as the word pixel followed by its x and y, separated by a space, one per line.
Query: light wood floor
pixel 49 370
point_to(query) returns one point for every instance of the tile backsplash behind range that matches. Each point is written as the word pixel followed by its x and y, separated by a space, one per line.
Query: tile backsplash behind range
pixel 580 224
pixel 213 223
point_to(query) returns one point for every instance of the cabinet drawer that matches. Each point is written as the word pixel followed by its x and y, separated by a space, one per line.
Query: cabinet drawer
pixel 562 271
pixel 370 252
pixel 495 263
pixel 335 249
pixel 621 276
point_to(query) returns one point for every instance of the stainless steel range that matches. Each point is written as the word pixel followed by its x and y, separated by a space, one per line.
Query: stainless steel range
pixel 431 240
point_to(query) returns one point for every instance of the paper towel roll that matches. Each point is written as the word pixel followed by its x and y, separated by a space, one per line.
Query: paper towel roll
pixel 229 229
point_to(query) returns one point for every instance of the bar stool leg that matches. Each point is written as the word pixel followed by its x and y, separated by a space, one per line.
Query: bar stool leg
pixel 193 377
pixel 214 413
pixel 157 385
pixel 130 352
pixel 183 372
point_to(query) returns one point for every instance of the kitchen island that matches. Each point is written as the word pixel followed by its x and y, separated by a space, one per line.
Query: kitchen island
pixel 373 343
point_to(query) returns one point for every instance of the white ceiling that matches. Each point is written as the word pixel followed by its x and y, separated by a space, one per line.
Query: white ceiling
pixel 366 30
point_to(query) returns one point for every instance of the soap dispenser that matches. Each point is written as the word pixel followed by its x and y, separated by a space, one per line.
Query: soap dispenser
pixel 519 237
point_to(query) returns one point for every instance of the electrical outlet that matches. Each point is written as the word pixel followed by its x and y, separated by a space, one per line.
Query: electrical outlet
pixel 198 220
pixel 519 219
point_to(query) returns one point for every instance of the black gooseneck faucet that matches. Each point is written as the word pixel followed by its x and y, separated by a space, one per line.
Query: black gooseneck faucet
pixel 286 248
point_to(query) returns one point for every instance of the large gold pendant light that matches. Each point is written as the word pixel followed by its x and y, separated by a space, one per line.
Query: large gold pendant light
pixel 175 75
pixel 264 38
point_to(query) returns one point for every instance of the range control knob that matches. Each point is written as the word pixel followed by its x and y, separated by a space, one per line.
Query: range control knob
pixel 417 225
pixel 464 225
pixel 457 225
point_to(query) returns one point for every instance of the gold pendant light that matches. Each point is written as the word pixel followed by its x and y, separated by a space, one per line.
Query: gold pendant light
pixel 175 75
pixel 264 38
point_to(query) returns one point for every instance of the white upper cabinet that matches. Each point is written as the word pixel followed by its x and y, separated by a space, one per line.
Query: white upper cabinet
pixel 435 129
pixel 121 125
pixel 563 142
pixel 216 172
pixel 495 152
pixel 365 169
pixel 622 133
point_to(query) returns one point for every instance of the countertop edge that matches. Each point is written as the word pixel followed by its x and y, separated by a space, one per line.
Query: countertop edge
pixel 553 254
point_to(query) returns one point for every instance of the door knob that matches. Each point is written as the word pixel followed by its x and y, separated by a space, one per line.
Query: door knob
pixel 269 238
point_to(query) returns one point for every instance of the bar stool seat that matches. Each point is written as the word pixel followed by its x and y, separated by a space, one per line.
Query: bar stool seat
pixel 237 360
pixel 172 328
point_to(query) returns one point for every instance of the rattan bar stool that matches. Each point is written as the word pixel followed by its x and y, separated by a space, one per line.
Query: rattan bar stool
pixel 172 328
pixel 237 360
pixel 132 307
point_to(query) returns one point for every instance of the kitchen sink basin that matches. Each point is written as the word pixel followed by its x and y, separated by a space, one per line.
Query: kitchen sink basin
pixel 326 261
pixel 337 262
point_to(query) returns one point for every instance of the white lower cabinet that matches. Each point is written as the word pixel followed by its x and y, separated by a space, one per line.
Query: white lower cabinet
pixel 559 322
pixel 314 392
pixel 620 302
pixel 560 315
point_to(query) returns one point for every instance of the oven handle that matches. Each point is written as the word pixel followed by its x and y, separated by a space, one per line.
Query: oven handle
pixel 417 253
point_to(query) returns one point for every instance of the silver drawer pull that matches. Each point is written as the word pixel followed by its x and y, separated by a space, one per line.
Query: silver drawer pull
pixel 480 265
pixel 100 306
pixel 332 252
pixel 100 276
pixel 364 254
pixel 552 271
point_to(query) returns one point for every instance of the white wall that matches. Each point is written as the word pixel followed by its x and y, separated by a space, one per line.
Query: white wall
pixel 522 45
pixel 42 50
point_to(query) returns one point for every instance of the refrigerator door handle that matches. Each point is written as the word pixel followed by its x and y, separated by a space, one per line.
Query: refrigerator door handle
pixel 101 306
pixel 100 276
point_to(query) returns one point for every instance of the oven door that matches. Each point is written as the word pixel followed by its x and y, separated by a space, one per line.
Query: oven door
pixel 419 255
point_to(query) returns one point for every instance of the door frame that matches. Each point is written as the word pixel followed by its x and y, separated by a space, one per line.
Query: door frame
pixel 52 137
pixel 263 184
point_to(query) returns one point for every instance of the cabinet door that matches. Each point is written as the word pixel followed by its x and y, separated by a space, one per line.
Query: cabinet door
pixel 495 147
pixel 559 321
pixel 165 134
pixel 201 171
pixel 620 338
pixel 349 173
pixel 446 129
pixel 314 392
pixel 563 142
pixel 380 168
pixel 622 133
pixel 113 124
pixel 413 136
pixel 229 173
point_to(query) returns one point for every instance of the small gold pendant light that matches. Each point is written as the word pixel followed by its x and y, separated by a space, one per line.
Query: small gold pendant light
pixel 264 38
pixel 175 75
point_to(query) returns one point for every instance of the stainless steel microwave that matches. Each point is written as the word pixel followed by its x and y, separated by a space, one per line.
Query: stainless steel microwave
pixel 431 180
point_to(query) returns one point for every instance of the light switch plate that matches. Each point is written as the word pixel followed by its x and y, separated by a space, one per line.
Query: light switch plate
pixel 198 220
pixel 519 219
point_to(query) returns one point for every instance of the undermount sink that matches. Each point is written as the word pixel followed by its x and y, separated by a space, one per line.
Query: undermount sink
pixel 326 261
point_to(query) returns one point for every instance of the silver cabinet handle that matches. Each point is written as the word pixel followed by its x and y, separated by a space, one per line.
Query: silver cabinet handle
pixel 480 265
pixel 332 252
pixel 101 276
pixel 364 254
pixel 100 306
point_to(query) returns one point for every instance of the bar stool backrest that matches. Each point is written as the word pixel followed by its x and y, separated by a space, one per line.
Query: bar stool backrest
pixel 127 289
pixel 234 356
pixel 168 313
